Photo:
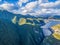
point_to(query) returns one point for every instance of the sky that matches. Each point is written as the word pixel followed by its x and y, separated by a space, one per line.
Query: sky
pixel 31 7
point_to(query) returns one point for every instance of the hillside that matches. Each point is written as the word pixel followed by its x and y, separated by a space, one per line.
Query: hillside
pixel 20 30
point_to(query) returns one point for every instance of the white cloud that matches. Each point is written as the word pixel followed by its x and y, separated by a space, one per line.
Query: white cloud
pixel 6 6
pixel 34 8
pixel 21 1
pixel 41 8
pixel 29 7
pixel 42 1
pixel 25 10
pixel 50 4
pixel 46 11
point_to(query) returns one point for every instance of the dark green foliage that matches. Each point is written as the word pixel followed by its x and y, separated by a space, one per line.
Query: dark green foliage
pixel 8 34
pixel 13 34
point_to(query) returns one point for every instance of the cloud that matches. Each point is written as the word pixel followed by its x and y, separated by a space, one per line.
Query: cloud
pixel 29 7
pixel 36 8
pixel 6 6
pixel 42 1
pixel 21 1
pixel 25 10
pixel 50 4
